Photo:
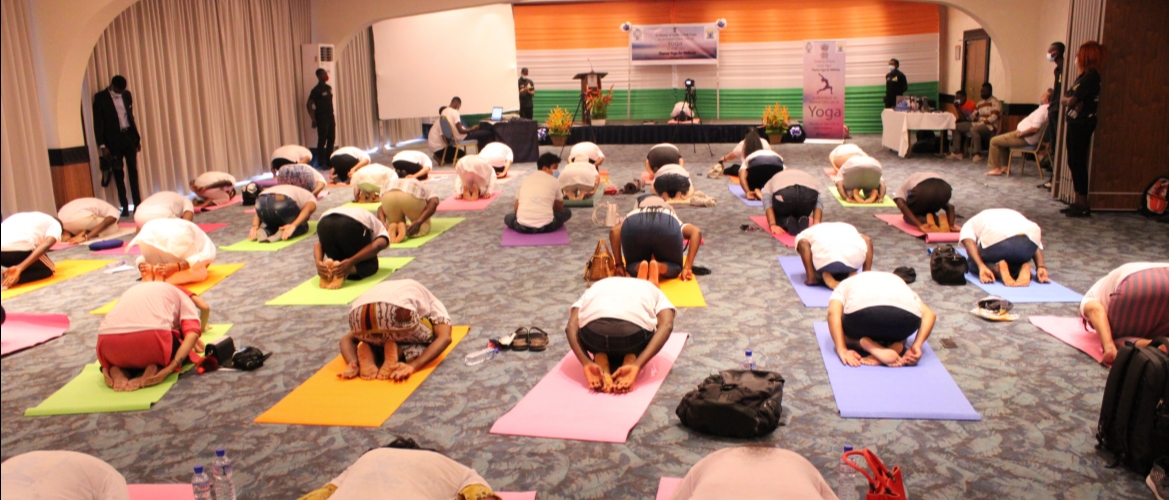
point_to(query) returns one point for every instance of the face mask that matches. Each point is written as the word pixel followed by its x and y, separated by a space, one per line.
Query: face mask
pixel 1050 57
pixel 985 94
pixel 892 68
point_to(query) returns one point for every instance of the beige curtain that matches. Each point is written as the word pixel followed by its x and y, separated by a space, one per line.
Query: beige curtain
pixel 216 85
pixel 357 97
pixel 25 182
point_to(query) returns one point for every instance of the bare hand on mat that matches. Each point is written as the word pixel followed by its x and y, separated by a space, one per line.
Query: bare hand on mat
pixel 849 357
pixel 595 377
pixel 912 355
pixel 985 275
pixel 350 372
pixel 624 378
pixel 1042 274
pixel 287 231
pixel 11 276
pixel 402 372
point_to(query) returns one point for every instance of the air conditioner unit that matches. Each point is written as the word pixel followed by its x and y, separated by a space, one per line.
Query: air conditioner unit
pixel 316 56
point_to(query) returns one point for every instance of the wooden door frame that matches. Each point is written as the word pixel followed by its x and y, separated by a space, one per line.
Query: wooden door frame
pixel 968 36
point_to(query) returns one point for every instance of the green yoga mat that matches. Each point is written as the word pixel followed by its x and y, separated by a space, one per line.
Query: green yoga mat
pixel 255 246
pixel 887 202
pixel 587 202
pixel 88 392
pixel 310 292
pixel 373 207
pixel 439 225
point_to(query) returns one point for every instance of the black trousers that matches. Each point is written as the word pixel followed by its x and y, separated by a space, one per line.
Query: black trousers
pixel 276 211
pixel 559 219
pixel 341 238
pixel 123 160
pixel 326 135
pixel 1077 141
pixel 35 272
pixel 526 112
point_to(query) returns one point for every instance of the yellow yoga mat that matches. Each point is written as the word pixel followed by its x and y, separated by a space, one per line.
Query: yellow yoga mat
pixel 886 202
pixel 683 293
pixel 66 269
pixel 215 274
pixel 324 399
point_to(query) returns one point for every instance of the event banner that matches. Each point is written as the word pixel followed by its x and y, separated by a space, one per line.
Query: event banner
pixel 667 44
pixel 824 89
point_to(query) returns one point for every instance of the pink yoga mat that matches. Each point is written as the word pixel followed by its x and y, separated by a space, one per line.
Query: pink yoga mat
pixel 561 406
pixel 897 221
pixel 160 492
pixel 787 239
pixel 514 239
pixel 527 495
pixel 22 331
pixel 666 487
pixel 829 171
pixel 453 205
pixel 321 195
pixel 1072 332
pixel 234 201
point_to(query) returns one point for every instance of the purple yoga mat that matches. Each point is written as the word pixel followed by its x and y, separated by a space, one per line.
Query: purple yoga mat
pixel 811 296
pixel 925 391
pixel 515 239
pixel 737 190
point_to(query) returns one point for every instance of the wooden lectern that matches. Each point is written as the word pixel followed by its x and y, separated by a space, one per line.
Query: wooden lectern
pixel 590 80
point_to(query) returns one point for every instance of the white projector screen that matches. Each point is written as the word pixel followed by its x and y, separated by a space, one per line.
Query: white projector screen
pixel 424 61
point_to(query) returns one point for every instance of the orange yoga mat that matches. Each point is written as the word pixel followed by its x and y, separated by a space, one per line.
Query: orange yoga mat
pixel 327 400
pixel 215 274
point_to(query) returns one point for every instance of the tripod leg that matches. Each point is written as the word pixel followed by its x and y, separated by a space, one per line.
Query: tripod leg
pixel 575 111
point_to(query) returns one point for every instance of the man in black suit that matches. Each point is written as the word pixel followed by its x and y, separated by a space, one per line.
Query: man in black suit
pixel 320 106
pixel 117 139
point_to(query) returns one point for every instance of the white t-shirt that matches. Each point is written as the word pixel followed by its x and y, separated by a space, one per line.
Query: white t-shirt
pixel 537 195
pixel 672 170
pixel 876 288
pixel 1034 120
pixel 834 242
pixel 153 305
pixel 407 294
pixel 787 178
pixel 586 152
pixel 747 162
pixel 163 205
pixel 412 156
pixel 753 473
pixel 680 108
pixel 352 151
pixel 390 474
pixel 864 163
pixel 177 237
pixel 915 179
pixel 365 218
pixel 737 152
pixel 82 214
pixel 24 232
pixel 477 170
pixel 581 173
pixel 497 154
pixel 627 299
pixel 211 178
pixel 413 187
pixel 435 141
pixel 60 475
pixel 374 174
pixel 435 138
pixel 292 152
pixel 994 225
pixel 842 153
pixel 1103 289
pixel 297 194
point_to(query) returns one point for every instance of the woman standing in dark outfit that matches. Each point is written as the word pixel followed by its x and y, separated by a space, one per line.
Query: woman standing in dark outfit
pixel 1080 104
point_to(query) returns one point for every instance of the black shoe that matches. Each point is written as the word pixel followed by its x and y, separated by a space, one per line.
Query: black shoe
pixel 125 212
pixel 1079 212
pixel 105 178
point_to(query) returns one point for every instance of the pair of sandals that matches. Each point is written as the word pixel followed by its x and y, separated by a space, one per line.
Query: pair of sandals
pixel 525 339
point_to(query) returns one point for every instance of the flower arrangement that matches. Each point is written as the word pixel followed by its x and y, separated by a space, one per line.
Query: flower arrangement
pixel 559 121
pixel 776 118
pixel 598 102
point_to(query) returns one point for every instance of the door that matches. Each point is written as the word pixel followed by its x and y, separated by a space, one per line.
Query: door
pixel 976 61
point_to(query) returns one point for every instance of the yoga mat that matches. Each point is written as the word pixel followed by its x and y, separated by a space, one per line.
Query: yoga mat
pixel 439 225
pixel 88 392
pixel 737 190
pixel 160 492
pixel 526 495
pixel 372 207
pixel 324 399
pixel 310 292
pixel 925 391
pixel 1071 331
pixel 512 174
pixel 561 405
pixel 22 331
pixel 453 205
pixel 886 202
pixel 515 239
pixel 323 194
pixel 255 246
pixel 897 221
pixel 811 296
pixel 666 487
pixel 123 230
pixel 118 252
pixel 683 293
pixel 215 274
pixel 66 269
pixel 267 183
pixel 587 202
pixel 1035 292
pixel 787 239
pixel 236 200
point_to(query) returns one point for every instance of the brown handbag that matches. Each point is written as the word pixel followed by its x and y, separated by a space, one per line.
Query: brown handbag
pixel 601 264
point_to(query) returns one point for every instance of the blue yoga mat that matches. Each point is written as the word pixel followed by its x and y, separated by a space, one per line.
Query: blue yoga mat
pixel 1033 293
pixel 737 190
pixel 812 296
pixel 925 391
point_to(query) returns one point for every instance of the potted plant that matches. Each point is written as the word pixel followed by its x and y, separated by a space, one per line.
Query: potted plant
pixel 776 120
pixel 598 104
pixel 559 123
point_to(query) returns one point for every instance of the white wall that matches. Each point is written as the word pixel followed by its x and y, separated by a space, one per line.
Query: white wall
pixel 950 35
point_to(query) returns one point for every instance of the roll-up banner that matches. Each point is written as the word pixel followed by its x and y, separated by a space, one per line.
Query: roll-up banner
pixel 824 89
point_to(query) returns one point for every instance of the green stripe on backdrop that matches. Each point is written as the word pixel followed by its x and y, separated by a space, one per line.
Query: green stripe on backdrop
pixel 863 104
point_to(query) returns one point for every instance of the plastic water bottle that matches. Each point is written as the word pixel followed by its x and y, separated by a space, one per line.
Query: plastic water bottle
pixel 221 472
pixel 201 484
pixel 748 362
pixel 846 479
pixel 478 357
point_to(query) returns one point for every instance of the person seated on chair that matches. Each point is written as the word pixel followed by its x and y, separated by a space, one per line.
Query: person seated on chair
pixel 540 203
pixel 412 165
pixel 832 252
pixel 860 180
pixel 61 475
pixel 579 181
pixel 369 182
pixel 173 250
pixel 791 202
pixel 475 178
pixel 1027 134
pixel 1000 242
pixel 871 316
pixel 213 189
pixel 402 469
pixel 284 212
pixel 983 123
pixel 588 152
pixel 346 162
pixel 650 242
pixel 753 471
pixel 407 200
pixel 164 205
pixel 499 156
pixel 25 239
pixel 758 168
pixel 84 219
pixel 751 143
pixel 964 108
pixel 303 176
pixel 395 329
pixel 842 154
pixel 438 143
pixel 1129 303
pixel 668 178
pixel 149 334
pixel 618 318
pixel 348 242
pixel 290 154
pixel 920 199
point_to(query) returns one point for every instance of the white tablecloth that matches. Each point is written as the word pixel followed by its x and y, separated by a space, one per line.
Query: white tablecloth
pixel 896 127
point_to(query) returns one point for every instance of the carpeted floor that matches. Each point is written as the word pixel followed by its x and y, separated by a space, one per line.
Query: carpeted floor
pixel 1038 397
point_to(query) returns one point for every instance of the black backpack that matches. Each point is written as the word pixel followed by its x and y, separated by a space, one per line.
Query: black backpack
pixel 734 403
pixel 948 267
pixel 1133 422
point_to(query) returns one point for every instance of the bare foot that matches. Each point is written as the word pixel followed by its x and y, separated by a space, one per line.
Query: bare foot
pixel 643 271
pixel 390 350
pixel 602 361
pixel 163 272
pixel 1025 276
pixel 872 197
pixel 325 276
pixel 624 377
pixel 887 356
pixel 594 377
pixel 147 272
pixel 119 379
pixel 401 233
pixel 994 172
pixel 855 196
pixel 367 367
pixel 1005 273
pixel 106 376
pixel 870 361
pixel 387 369
pixel 654 271
pixel 943 225
pixel 830 281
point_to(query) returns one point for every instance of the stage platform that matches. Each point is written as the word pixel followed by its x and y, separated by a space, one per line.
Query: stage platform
pixel 636 133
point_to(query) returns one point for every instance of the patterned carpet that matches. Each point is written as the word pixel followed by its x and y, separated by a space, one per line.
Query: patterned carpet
pixel 1039 398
